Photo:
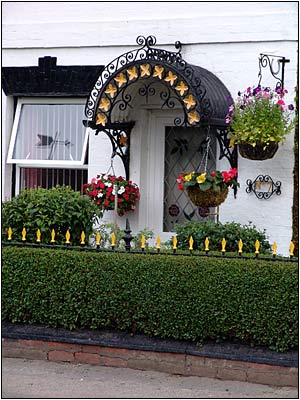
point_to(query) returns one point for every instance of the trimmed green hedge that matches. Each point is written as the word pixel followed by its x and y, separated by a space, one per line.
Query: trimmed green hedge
pixel 193 298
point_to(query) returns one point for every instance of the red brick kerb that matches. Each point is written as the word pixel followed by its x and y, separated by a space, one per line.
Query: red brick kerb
pixel 226 361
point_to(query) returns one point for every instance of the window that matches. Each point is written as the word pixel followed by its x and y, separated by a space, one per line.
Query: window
pixel 49 143
pixel 50 177
pixel 48 133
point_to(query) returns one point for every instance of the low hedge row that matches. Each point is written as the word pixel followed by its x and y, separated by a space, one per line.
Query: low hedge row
pixel 178 297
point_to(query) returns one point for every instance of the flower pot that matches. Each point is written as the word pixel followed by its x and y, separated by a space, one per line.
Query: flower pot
pixel 209 198
pixel 258 152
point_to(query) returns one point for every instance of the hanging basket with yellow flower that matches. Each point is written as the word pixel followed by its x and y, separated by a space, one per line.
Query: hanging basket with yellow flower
pixel 208 189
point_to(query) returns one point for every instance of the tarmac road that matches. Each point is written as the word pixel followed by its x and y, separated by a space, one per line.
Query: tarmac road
pixel 44 379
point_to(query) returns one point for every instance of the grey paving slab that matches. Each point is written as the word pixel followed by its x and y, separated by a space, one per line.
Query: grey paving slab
pixel 44 379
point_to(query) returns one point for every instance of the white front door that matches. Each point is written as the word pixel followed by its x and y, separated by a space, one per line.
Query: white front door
pixel 162 203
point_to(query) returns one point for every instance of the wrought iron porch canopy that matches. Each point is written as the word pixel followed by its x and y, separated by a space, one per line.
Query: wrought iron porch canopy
pixel 202 96
pixel 199 96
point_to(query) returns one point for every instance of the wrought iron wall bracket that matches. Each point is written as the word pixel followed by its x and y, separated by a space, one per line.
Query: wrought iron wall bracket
pixel 266 60
pixel 119 136
pixel 263 181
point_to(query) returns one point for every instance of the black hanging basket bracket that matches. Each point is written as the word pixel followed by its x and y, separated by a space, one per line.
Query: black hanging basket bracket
pixel 267 60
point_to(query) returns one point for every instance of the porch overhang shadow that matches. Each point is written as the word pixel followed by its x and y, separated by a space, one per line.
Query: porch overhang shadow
pixel 202 98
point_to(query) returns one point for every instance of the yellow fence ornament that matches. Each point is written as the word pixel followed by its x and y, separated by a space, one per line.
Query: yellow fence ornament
pixel 175 243
pixel 206 243
pixel 223 243
pixel 191 243
pixel 68 236
pixel 158 242
pixel 143 242
pixel 113 240
pixel 98 239
pixel 82 238
pixel 38 236
pixel 9 233
pixel 240 247
pixel 24 234
pixel 52 236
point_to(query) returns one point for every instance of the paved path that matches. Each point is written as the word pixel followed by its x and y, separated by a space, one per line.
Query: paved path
pixel 43 379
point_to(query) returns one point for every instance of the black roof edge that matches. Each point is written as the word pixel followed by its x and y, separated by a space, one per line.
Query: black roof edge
pixel 50 79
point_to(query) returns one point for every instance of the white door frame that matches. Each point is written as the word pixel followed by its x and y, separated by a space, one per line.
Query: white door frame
pixel 152 167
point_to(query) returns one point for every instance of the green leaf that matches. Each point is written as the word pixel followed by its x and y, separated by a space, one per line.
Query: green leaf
pixel 205 186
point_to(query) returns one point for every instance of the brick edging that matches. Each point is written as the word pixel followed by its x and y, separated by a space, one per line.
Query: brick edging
pixel 173 363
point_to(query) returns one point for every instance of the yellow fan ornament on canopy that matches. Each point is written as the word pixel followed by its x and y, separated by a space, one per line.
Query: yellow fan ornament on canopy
pixel 120 79
pixel 145 70
pixel 133 73
pixel 181 88
pixel 158 71
pixel 104 104
pixel 189 101
pixel 111 90
pixel 171 78
pixel 193 117
pixel 101 119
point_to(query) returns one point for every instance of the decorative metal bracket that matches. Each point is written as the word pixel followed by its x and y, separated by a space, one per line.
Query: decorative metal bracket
pixel 263 181
pixel 224 145
pixel 119 135
pixel 268 60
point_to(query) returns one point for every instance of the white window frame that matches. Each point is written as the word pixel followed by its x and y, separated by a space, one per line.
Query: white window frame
pixel 44 163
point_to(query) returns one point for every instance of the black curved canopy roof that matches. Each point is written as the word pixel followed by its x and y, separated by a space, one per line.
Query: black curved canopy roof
pixel 217 93
pixel 203 96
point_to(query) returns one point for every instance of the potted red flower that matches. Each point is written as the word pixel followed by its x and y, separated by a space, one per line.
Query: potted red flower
pixel 102 191
pixel 207 189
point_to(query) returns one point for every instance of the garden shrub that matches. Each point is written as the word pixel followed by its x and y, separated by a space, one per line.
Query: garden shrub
pixel 231 231
pixel 106 231
pixel 178 297
pixel 59 208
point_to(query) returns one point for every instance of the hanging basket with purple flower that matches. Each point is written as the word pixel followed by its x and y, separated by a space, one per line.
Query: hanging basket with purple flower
pixel 259 120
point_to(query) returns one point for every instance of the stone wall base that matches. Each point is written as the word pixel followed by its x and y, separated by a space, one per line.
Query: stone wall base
pixel 172 363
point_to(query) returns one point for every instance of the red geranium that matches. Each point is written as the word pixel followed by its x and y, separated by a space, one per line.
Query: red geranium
pixel 102 191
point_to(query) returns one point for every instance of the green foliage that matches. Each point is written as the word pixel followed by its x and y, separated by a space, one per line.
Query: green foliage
pixel 59 208
pixel 136 242
pixel 106 231
pixel 260 116
pixel 231 231
pixel 217 181
pixel 191 298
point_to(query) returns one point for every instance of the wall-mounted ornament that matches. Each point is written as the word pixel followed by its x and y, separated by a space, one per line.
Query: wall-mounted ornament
pixel 267 60
pixel 263 187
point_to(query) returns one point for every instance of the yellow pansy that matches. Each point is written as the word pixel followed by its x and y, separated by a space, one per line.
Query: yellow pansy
pixel 201 178
pixel 188 177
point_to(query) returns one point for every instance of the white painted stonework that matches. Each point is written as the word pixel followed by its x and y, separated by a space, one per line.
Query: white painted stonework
pixel 226 38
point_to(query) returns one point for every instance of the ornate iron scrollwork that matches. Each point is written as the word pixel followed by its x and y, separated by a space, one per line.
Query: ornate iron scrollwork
pixel 141 64
pixel 268 60
pixel 178 84
pixel 260 181
pixel 119 135
pixel 225 149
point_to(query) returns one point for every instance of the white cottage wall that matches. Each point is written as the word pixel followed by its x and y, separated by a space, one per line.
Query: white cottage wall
pixel 224 37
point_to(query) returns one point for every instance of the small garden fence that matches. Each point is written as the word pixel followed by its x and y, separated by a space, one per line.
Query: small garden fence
pixel 85 245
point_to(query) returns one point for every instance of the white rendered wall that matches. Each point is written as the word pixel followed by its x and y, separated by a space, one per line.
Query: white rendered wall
pixel 225 38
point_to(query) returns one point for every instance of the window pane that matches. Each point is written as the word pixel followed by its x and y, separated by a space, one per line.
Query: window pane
pixel 50 132
pixel 50 177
